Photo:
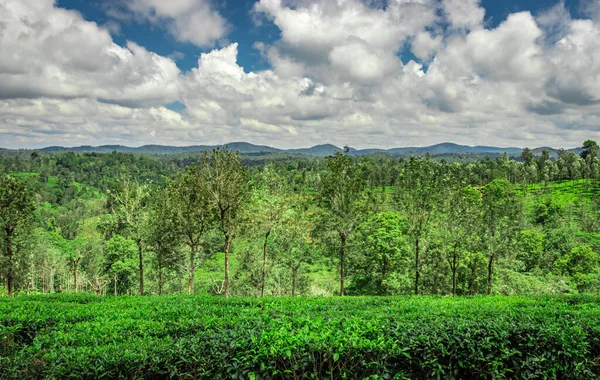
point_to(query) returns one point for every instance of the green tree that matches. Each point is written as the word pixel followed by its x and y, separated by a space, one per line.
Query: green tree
pixel 293 240
pixel 129 204
pixel 68 223
pixel 382 253
pixel 16 217
pixel 579 263
pixel 120 264
pixel 590 148
pixel 267 208
pixel 417 198
pixel 456 225
pixel 501 208
pixel 527 156
pixel 190 207
pixel 530 248
pixel 341 193
pixel 164 226
pixel 226 185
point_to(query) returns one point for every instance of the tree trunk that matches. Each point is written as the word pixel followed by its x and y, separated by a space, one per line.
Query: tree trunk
pixel 454 267
pixel 115 284
pixel 473 276
pixel 43 278
pixel 227 245
pixel 383 276
pixel 160 281
pixel 141 258
pixel 343 237
pixel 51 280
pixel 9 254
pixel 490 274
pixel 192 277
pixel 293 283
pixel 416 266
pixel 75 262
pixel 264 266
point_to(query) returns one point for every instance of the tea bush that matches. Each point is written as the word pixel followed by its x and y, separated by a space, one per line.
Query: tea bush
pixel 83 336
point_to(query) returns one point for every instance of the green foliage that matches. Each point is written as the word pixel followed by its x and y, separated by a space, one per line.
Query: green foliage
pixel 16 218
pixel 381 258
pixel 579 264
pixel 530 248
pixel 212 338
pixel 120 264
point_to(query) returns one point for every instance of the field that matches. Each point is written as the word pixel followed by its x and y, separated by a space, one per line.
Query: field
pixel 84 336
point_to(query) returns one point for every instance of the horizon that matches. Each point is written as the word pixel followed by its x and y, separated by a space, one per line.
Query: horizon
pixel 297 73
pixel 293 148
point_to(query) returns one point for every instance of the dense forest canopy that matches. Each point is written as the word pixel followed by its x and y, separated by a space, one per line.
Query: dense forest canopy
pixel 274 225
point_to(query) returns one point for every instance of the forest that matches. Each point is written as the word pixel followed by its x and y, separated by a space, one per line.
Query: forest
pixel 221 223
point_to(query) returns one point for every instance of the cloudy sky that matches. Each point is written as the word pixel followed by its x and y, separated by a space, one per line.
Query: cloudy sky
pixel 296 73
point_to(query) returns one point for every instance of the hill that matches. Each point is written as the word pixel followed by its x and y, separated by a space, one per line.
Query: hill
pixel 322 150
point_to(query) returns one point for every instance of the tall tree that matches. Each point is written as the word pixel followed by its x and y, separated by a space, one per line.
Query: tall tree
pixel 527 156
pixel 190 205
pixel 342 189
pixel 590 148
pixel 269 202
pixel 460 218
pixel 417 198
pixel 500 221
pixel 163 234
pixel 224 179
pixel 16 216
pixel 293 239
pixel 68 223
pixel 129 203
pixel 384 251
pixel 590 157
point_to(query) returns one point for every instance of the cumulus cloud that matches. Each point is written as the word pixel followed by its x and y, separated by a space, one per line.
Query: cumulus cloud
pixel 49 51
pixel 194 21
pixel 424 46
pixel 43 122
pixel 345 37
pixel 464 14
pixel 575 60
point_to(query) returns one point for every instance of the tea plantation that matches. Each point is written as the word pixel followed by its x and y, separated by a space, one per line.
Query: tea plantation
pixel 83 336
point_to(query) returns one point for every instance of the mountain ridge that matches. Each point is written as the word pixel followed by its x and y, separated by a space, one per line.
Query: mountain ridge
pixel 320 150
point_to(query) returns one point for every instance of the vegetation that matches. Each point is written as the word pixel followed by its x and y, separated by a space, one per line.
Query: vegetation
pixel 357 225
pixel 88 336
pixel 180 231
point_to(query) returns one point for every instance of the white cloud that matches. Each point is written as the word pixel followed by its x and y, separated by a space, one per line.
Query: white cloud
pixel 345 34
pixel 464 13
pixel 424 46
pixel 194 21
pixel 43 122
pixel 508 52
pixel 576 63
pixel 48 51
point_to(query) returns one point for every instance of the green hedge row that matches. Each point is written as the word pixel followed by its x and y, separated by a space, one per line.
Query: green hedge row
pixel 377 338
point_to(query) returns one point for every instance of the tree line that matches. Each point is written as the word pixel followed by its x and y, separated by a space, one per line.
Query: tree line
pixel 375 225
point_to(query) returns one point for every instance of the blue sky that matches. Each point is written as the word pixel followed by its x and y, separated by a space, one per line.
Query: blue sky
pixel 295 73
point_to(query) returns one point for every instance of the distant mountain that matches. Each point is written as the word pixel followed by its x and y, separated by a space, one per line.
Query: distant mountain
pixel 445 148
pixel 317 150
pixel 244 147
pixel 241 147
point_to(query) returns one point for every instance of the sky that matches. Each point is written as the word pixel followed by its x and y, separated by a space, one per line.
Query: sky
pixel 297 73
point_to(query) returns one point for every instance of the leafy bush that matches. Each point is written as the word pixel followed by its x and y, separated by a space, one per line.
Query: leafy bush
pixel 84 336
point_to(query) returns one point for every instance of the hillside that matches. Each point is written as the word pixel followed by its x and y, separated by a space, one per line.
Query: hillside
pixel 321 150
